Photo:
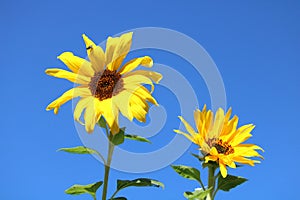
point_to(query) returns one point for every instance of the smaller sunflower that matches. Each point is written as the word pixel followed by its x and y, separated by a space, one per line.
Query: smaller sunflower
pixel 220 140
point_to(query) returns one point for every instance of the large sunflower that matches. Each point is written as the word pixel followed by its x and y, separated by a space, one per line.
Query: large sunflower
pixel 105 86
pixel 220 140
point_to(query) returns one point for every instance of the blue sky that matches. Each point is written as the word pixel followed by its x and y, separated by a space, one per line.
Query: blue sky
pixel 255 45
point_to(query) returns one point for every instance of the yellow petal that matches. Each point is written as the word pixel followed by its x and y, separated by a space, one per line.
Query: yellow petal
pixel 228 114
pixel 213 151
pixel 185 134
pixel 109 111
pixel 197 118
pixel 218 124
pixel 243 134
pixel 76 64
pixel 243 160
pixel 142 92
pixel 251 146
pixel 138 112
pixel 121 101
pixel 68 95
pixel 154 76
pixel 223 169
pixel 231 164
pixel 139 101
pixel 188 127
pixel 89 118
pixel 95 53
pixel 115 126
pixel 116 50
pixel 229 129
pixel 145 61
pixel 246 151
pixel 210 158
pixel 81 105
pixel 137 80
pixel 75 78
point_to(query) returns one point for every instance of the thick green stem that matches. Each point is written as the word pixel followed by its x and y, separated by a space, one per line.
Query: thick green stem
pixel 211 181
pixel 107 165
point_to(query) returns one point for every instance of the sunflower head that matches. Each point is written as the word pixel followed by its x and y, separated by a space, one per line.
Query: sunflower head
pixel 106 85
pixel 220 139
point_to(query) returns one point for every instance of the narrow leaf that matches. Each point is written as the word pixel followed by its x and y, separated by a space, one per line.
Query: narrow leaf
pixel 187 172
pixel 230 182
pixel 198 194
pixel 79 150
pixel 137 138
pixel 140 182
pixel 119 198
pixel 84 189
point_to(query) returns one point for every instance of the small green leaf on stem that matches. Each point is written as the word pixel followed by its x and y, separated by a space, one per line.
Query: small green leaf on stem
pixel 198 194
pixel 137 138
pixel 229 182
pixel 140 182
pixel 187 172
pixel 79 150
pixel 84 189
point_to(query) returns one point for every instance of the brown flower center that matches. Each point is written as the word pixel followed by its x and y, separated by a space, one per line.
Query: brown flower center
pixel 223 147
pixel 103 84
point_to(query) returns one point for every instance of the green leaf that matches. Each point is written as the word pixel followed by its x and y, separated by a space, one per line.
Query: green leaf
pixel 137 138
pixel 229 182
pixel 140 182
pixel 198 194
pixel 84 189
pixel 187 172
pixel 118 138
pixel 102 122
pixel 79 150
pixel 118 198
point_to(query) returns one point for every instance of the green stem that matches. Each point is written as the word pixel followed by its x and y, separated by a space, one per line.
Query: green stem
pixel 107 165
pixel 211 180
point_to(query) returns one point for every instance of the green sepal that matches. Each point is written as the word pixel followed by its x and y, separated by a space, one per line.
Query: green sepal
pixel 102 122
pixel 79 150
pixel 118 138
pixel 187 172
pixel 230 182
pixel 136 138
pixel 198 194
pixel 84 189
pixel 140 182
pixel 200 158
pixel 210 164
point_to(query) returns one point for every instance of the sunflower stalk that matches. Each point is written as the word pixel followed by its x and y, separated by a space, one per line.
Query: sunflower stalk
pixel 111 147
pixel 211 180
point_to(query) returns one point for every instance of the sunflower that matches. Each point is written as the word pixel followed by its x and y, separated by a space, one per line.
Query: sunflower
pixel 105 86
pixel 220 140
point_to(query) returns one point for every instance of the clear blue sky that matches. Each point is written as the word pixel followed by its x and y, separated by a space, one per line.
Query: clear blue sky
pixel 255 45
